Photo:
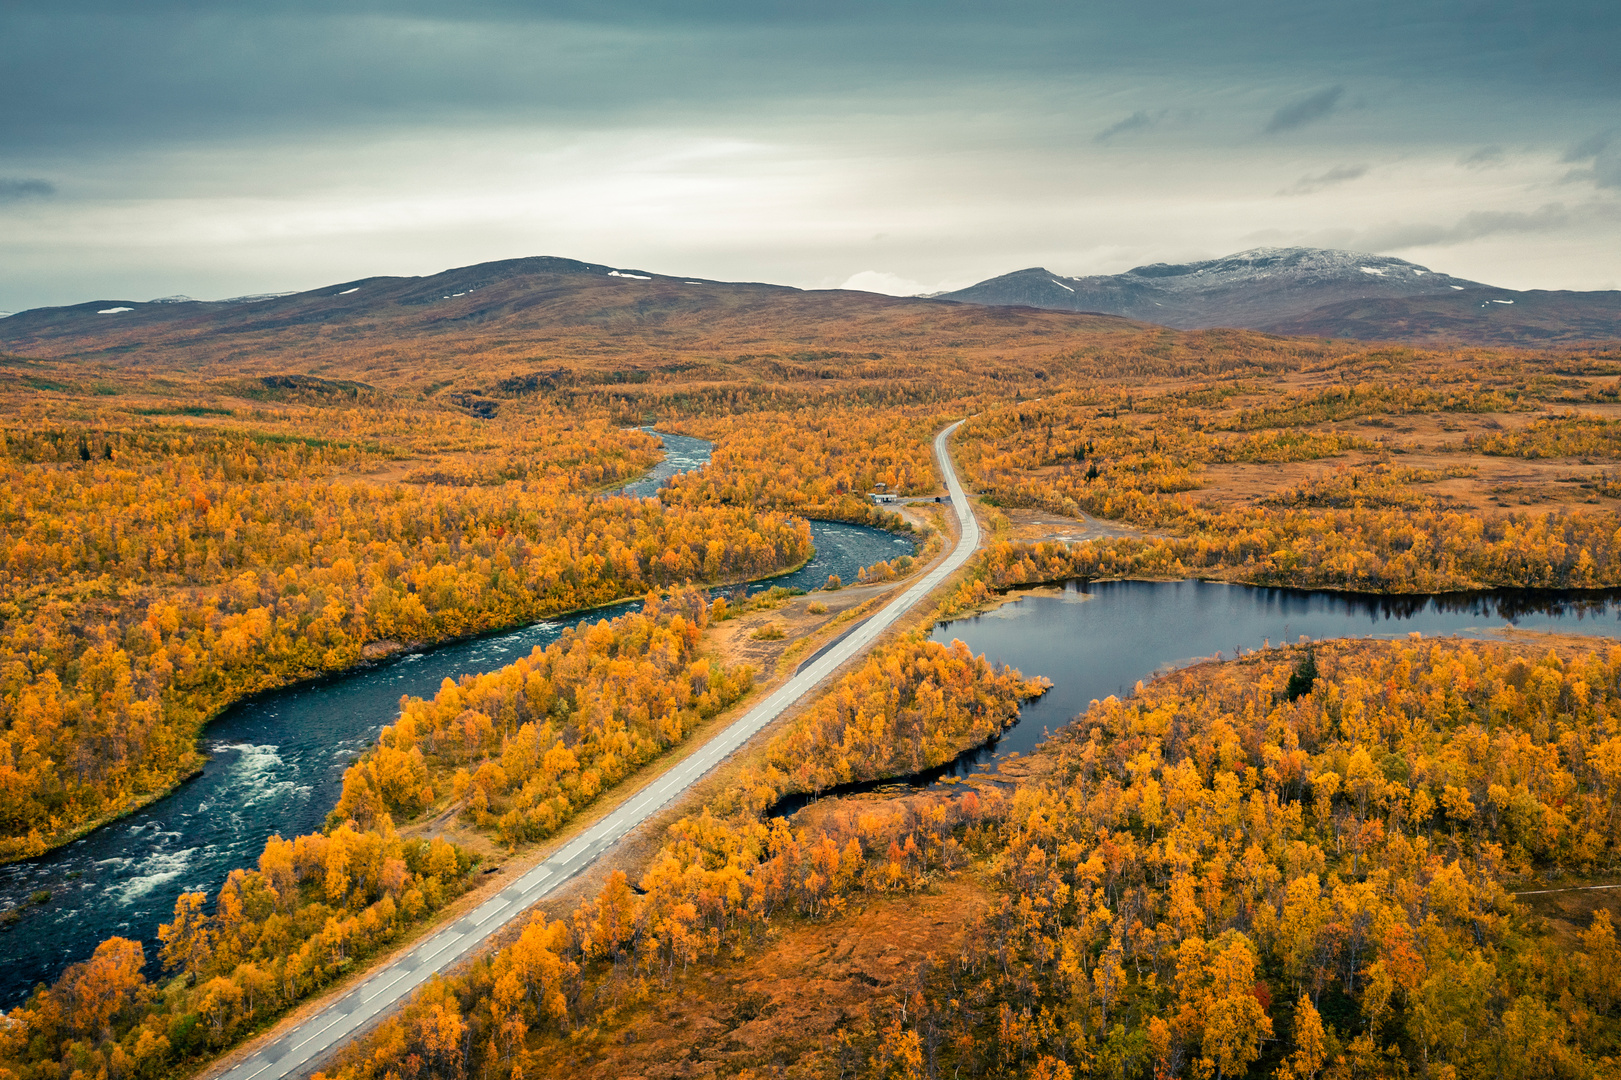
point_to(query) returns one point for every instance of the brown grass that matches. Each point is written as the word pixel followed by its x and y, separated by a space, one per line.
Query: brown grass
pixel 772 1011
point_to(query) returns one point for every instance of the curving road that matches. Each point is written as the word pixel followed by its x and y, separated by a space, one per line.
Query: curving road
pixel 296 1052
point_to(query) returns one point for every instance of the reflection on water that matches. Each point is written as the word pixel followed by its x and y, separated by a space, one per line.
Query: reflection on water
pixel 1097 639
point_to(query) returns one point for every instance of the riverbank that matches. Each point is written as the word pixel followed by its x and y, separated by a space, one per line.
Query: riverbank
pixel 270 763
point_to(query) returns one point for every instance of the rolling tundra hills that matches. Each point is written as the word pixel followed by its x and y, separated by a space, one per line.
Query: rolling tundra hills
pixel 391 329
pixel 404 329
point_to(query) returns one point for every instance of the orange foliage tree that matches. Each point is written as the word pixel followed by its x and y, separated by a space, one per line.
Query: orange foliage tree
pixel 819 461
pixel 522 749
pixel 158 577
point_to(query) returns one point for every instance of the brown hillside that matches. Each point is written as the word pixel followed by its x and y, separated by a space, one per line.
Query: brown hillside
pixel 513 312
pixel 1527 319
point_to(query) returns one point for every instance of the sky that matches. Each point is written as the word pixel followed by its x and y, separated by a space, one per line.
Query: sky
pixel 226 148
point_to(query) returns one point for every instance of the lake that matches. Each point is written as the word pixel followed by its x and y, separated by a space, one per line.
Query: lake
pixel 1100 638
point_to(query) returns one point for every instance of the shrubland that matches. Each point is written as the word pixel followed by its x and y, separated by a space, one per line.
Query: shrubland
pixel 543 736
pixel 315 907
pixel 151 575
pixel 725 872
pixel 1311 487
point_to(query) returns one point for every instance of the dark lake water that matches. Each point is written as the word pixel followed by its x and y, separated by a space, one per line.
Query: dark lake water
pixel 1098 639
pixel 276 766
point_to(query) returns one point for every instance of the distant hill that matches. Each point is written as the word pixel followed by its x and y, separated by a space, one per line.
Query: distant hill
pixel 527 309
pixel 397 329
pixel 1495 317
pixel 485 293
pixel 1316 292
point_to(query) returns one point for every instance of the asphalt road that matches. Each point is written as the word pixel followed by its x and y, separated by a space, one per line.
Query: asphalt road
pixel 295 1053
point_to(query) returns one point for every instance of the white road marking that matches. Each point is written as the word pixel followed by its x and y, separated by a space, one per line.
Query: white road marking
pixel 416 966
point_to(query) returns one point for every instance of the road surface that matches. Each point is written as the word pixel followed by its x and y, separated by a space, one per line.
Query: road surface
pixel 296 1052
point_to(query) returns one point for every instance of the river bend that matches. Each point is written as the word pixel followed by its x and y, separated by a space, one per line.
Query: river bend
pixel 275 766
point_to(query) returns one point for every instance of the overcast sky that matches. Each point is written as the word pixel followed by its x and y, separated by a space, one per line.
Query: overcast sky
pixel 221 148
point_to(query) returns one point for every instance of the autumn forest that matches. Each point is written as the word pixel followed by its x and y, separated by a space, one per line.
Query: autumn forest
pixel 1346 858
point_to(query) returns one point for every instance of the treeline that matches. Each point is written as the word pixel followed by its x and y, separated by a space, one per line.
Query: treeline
pixel 522 749
pixel 723 873
pixel 145 590
pixel 1384 549
pixel 1298 866
pixel 1359 550
pixel 1375 526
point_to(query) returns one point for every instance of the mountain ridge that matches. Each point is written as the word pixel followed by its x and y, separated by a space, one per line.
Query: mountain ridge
pixel 358 298
pixel 522 309
pixel 1294 291
pixel 1318 292
pixel 1248 288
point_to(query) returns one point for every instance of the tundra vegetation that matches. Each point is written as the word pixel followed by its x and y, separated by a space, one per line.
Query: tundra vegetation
pixel 1299 864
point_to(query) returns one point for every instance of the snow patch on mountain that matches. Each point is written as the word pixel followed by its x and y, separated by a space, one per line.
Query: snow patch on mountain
pixel 1251 288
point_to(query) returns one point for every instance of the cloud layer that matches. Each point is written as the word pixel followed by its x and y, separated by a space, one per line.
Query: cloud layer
pixel 1339 174
pixel 228 147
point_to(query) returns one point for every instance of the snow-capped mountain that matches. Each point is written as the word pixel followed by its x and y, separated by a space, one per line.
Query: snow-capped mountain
pixel 1257 288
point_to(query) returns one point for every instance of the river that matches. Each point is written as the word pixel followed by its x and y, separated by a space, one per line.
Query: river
pixel 276 765
pixel 276 761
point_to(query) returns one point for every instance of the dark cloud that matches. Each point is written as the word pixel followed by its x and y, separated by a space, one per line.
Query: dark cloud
pixel 1603 153
pixel 1484 158
pixel 1304 111
pixel 1137 121
pixel 1590 147
pixel 359 119
pixel 110 72
pixel 1339 174
pixel 12 190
